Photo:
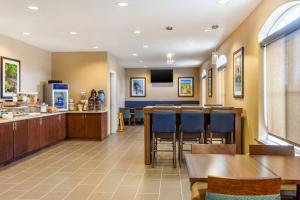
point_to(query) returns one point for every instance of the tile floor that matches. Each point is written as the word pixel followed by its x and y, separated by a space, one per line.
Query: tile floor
pixel 110 170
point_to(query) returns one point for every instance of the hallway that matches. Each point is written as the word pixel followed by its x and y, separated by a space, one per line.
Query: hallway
pixel 79 170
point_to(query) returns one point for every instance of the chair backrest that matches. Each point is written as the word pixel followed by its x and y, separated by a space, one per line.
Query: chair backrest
pixel 192 121
pixel 138 113
pixel 268 188
pixel 276 150
pixel 164 121
pixel 222 122
pixel 164 105
pixel 125 112
pixel 213 149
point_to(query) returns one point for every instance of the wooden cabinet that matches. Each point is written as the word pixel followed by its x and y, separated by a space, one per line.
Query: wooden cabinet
pixel 34 134
pixel 20 137
pixel 6 142
pixel 45 132
pixel 75 125
pixel 87 125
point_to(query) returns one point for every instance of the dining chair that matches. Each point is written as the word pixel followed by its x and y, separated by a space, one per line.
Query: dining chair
pixel 199 188
pixel 126 115
pixel 138 115
pixel 222 122
pixel 243 189
pixel 191 129
pixel 288 191
pixel 163 127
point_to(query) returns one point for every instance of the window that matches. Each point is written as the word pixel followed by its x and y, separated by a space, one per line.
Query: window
pixel 282 80
pixel 220 79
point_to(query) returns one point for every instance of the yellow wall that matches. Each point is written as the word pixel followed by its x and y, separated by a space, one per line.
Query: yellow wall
pixel 163 91
pixel 83 71
pixel 35 63
pixel 247 35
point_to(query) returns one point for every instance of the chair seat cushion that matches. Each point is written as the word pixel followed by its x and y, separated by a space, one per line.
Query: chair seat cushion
pixel 214 196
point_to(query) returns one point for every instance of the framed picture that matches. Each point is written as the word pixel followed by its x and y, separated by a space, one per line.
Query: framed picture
pixel 185 86
pixel 138 87
pixel 10 77
pixel 238 73
pixel 209 82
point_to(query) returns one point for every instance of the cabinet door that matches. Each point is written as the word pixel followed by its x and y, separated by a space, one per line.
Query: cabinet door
pixel 93 126
pixel 61 127
pixel 104 132
pixel 44 134
pixel 6 142
pixel 20 138
pixel 34 133
pixel 52 128
pixel 75 125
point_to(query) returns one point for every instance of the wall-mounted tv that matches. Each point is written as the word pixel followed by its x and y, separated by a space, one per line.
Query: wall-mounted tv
pixel 161 76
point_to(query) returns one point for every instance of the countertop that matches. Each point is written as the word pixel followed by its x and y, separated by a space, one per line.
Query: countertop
pixel 37 115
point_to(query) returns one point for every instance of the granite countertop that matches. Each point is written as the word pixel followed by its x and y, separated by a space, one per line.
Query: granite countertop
pixel 37 115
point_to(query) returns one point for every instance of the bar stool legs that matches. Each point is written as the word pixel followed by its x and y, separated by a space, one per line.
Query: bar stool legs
pixel 174 150
pixel 153 150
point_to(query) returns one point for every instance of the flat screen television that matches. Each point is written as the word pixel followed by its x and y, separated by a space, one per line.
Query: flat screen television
pixel 162 76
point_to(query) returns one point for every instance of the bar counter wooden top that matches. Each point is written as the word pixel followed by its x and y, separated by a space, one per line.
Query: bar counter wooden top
pixel 178 109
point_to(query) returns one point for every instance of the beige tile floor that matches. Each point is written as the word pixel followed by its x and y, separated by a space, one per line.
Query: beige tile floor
pixel 110 170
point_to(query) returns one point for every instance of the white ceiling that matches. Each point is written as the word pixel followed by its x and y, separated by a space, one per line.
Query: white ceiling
pixel 102 23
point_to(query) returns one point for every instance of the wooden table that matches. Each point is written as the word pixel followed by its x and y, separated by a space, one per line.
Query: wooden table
pixel 148 125
pixel 286 167
pixel 232 166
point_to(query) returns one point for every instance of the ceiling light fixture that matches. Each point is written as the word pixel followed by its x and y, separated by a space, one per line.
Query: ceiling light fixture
pixel 169 28
pixel 137 32
pixel 145 46
pixel 207 30
pixel 223 2
pixel 170 58
pixel 73 33
pixel 26 33
pixel 123 4
pixel 135 54
pixel 33 7
pixel 95 47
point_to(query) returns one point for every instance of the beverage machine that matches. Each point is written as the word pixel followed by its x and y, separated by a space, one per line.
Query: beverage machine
pixel 57 95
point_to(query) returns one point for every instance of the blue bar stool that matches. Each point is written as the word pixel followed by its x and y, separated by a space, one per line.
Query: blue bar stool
pixel 222 122
pixel 191 128
pixel 163 126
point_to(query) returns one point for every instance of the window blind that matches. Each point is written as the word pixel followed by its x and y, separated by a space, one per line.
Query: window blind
pixel 283 87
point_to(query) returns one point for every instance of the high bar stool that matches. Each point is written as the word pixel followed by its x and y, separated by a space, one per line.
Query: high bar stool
pixel 222 122
pixel 191 128
pixel 164 127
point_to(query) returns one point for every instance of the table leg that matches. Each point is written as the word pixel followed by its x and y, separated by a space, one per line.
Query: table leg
pixel 298 192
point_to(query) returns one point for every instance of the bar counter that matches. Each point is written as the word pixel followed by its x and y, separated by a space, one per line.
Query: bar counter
pixel 148 124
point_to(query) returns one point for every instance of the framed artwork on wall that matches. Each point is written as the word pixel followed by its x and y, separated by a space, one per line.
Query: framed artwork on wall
pixel 138 87
pixel 185 86
pixel 209 82
pixel 238 73
pixel 10 77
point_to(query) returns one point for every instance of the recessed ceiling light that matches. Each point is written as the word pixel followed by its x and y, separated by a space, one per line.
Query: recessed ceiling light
pixel 207 30
pixel 145 46
pixel 223 1
pixel 169 28
pixel 73 33
pixel 135 54
pixel 95 47
pixel 137 32
pixel 123 4
pixel 33 7
pixel 26 33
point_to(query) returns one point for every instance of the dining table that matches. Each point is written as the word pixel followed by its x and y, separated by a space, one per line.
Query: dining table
pixel 200 166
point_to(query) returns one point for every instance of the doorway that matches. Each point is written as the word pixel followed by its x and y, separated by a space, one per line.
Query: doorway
pixel 113 103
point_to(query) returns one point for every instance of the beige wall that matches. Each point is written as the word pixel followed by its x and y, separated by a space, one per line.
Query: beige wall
pixel 163 91
pixel 35 63
pixel 84 71
pixel 247 35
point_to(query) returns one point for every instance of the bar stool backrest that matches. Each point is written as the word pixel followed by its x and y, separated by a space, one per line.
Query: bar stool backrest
pixel 222 121
pixel 139 113
pixel 164 121
pixel 192 121
pixel 125 112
